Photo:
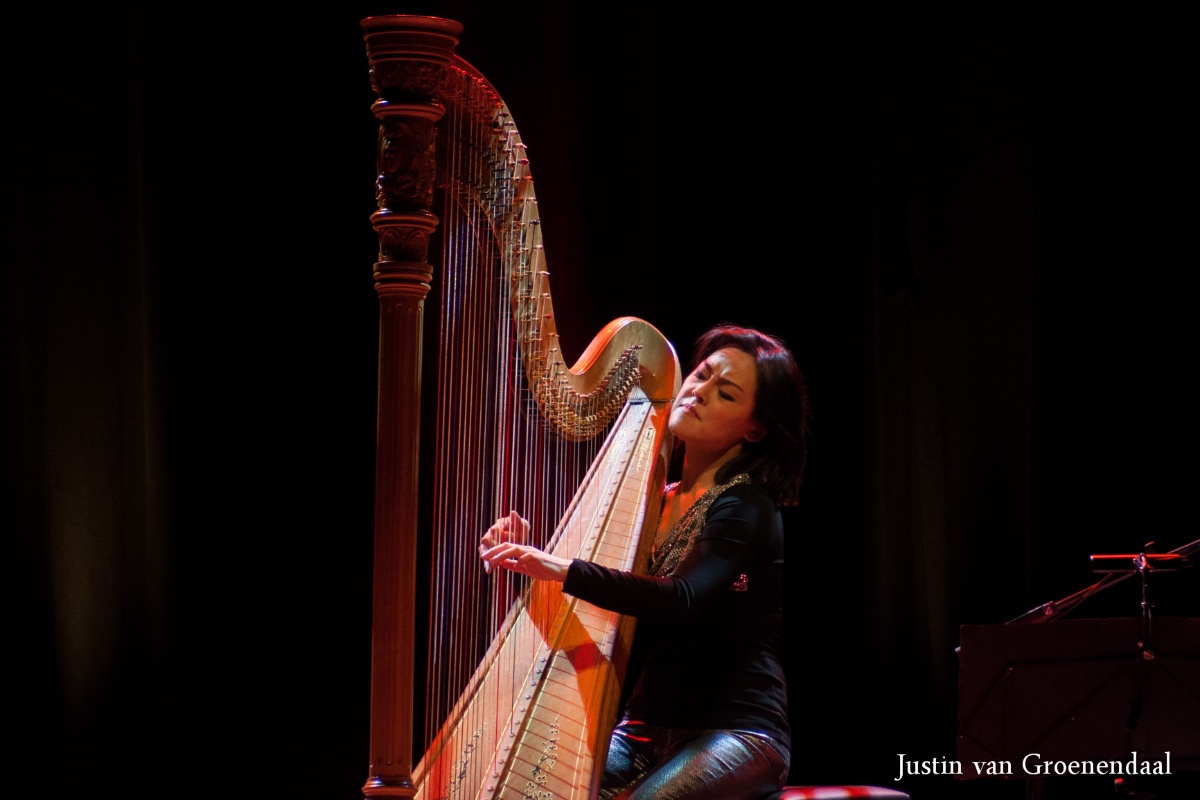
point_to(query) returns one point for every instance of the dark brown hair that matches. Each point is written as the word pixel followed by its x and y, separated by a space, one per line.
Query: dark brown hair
pixel 777 461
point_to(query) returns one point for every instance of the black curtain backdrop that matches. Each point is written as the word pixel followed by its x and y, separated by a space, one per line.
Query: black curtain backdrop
pixel 970 220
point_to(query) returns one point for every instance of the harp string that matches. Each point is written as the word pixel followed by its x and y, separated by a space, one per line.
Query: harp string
pixel 494 449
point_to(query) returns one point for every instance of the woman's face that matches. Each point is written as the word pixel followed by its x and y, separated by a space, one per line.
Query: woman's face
pixel 715 407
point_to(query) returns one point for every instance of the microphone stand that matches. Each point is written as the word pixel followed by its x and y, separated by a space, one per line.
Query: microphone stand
pixel 1142 564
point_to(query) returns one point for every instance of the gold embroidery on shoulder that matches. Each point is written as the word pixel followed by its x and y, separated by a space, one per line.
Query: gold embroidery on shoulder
pixel 667 555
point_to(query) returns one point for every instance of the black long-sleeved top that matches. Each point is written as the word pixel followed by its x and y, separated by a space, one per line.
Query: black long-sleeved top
pixel 711 651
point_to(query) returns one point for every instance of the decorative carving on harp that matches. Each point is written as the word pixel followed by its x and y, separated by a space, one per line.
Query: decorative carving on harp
pixel 521 690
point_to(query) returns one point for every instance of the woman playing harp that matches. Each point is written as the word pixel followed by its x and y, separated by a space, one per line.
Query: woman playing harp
pixel 707 717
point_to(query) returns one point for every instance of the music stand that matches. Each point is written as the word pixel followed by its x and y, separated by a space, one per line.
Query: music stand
pixel 1079 690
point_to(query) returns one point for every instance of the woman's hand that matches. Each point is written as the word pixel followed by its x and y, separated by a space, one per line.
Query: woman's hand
pixel 501 546
pixel 513 528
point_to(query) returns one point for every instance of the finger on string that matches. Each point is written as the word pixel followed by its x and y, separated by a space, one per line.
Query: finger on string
pixel 492 554
pixel 502 554
pixel 516 526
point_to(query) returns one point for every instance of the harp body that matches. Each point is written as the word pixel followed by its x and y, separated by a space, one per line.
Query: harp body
pixel 537 714
pixel 532 720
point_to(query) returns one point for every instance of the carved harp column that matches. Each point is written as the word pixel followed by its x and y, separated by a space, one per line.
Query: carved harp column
pixel 408 64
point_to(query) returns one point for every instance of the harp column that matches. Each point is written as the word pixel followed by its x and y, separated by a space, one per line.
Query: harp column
pixel 408 57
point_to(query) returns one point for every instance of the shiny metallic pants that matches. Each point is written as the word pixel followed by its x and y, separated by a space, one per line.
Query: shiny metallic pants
pixel 650 763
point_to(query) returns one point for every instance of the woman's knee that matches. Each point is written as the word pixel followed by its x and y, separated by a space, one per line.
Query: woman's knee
pixel 717 765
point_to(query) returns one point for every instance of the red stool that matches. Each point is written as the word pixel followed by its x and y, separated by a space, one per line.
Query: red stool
pixel 836 793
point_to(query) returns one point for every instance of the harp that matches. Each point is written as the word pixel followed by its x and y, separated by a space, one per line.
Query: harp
pixel 520 693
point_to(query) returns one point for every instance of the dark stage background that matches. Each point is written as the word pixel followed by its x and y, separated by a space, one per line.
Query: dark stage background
pixel 972 221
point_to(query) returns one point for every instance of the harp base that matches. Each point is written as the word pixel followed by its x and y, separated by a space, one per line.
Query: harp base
pixel 381 787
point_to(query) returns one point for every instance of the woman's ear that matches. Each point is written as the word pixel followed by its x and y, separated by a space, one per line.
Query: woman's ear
pixel 756 433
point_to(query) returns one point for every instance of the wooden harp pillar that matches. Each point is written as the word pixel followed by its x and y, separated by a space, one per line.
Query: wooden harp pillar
pixel 408 57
